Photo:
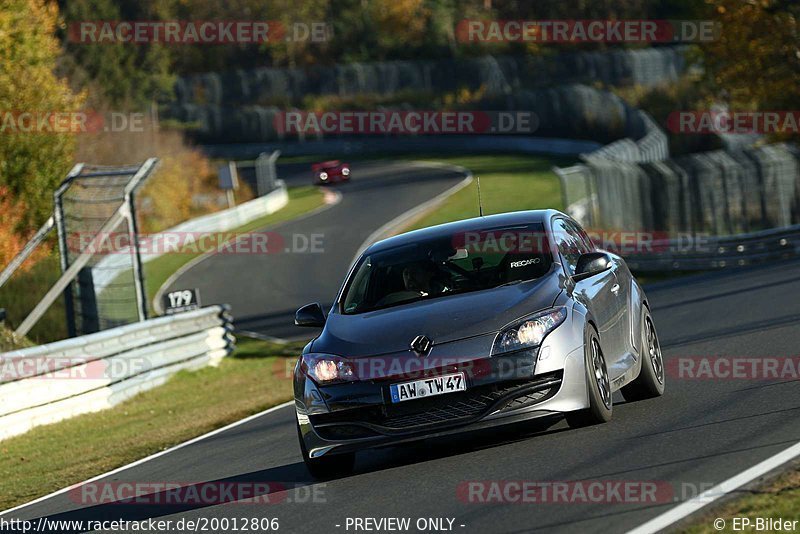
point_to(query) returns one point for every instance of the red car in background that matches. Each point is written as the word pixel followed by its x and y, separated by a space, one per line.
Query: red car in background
pixel 330 172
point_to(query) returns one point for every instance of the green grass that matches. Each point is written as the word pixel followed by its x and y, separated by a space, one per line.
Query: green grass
pixel 777 500
pixel 54 456
pixel 508 183
pixel 301 200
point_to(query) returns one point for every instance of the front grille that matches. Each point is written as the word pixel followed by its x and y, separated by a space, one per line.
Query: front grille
pixel 449 409
pixel 455 408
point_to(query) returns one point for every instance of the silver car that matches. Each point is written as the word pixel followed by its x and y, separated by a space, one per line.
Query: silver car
pixel 472 324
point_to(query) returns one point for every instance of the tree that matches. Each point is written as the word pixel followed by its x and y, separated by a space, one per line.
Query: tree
pixel 32 162
pixel 123 75
pixel 756 59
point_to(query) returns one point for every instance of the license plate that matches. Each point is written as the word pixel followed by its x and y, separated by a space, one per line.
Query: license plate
pixel 428 387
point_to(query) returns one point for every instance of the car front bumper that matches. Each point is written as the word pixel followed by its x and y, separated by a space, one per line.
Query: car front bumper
pixel 347 418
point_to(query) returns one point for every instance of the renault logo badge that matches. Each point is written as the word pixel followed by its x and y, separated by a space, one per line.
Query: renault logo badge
pixel 421 345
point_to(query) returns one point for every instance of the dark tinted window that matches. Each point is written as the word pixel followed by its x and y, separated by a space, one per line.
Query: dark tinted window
pixel 436 268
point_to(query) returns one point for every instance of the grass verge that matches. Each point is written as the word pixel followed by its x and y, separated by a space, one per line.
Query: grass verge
pixel 509 182
pixel 779 499
pixel 190 404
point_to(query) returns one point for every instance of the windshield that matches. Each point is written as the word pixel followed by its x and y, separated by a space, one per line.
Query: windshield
pixel 435 268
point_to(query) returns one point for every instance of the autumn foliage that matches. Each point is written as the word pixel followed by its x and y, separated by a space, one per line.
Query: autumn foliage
pixel 11 240
pixel 32 164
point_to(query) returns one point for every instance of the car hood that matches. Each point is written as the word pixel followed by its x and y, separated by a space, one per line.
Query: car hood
pixel 442 320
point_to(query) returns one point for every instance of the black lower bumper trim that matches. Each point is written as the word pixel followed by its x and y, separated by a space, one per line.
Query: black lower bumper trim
pixel 435 412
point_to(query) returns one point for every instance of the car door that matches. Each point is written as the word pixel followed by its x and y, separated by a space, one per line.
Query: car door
pixel 599 293
pixel 623 294
pixel 625 281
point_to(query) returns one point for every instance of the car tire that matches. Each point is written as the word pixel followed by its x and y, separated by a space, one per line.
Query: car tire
pixel 598 385
pixel 327 467
pixel 651 380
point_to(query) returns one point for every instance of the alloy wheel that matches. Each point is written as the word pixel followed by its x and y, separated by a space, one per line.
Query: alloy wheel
pixel 654 349
pixel 601 373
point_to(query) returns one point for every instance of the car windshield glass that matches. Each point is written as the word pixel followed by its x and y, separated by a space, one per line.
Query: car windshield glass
pixel 436 268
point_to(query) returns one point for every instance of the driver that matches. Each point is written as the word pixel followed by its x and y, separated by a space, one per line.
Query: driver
pixel 420 278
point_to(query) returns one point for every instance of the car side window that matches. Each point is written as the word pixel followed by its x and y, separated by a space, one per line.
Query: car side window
pixel 571 244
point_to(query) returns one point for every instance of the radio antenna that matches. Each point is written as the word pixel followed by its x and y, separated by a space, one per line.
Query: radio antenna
pixel 480 202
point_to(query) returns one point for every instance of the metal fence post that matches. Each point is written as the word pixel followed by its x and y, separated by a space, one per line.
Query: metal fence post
pixel 266 173
pixel 58 214
pixel 138 269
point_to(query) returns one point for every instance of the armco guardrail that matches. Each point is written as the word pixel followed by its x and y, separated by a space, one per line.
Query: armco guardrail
pixel 229 219
pixel 652 145
pixel 701 253
pixel 48 383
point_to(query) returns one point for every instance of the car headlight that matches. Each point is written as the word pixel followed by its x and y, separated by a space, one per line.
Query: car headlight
pixel 530 332
pixel 328 369
pixel 323 176
pixel 346 172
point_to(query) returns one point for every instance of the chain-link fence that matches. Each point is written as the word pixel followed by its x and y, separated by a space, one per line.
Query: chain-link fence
pixel 96 222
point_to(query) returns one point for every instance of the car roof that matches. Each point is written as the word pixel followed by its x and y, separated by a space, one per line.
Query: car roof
pixel 466 225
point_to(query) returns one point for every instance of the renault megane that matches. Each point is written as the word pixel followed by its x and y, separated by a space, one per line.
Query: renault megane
pixel 468 325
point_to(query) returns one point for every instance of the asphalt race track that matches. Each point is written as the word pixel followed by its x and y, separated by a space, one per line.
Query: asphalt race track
pixel 264 290
pixel 700 433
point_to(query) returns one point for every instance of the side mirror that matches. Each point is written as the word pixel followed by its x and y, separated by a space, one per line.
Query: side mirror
pixel 310 315
pixel 590 264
